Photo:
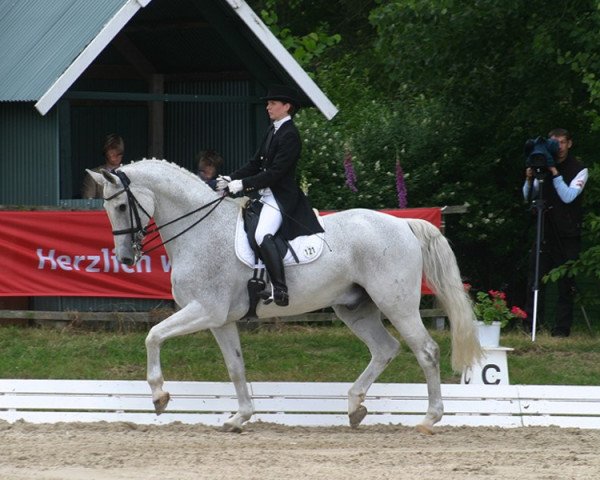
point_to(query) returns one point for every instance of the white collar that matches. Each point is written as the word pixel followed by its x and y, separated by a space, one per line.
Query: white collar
pixel 278 123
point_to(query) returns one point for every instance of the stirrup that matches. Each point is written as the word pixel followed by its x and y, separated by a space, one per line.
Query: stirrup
pixel 266 297
pixel 283 299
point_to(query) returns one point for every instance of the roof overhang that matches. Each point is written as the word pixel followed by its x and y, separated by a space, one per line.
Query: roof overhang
pixel 241 9
pixel 262 32
pixel 89 53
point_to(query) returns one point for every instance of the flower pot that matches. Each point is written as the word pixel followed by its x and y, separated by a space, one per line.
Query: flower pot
pixel 489 335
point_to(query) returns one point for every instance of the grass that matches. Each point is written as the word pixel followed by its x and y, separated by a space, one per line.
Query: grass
pixel 275 353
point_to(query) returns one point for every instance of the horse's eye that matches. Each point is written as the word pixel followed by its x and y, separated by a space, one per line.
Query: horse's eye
pixel 122 207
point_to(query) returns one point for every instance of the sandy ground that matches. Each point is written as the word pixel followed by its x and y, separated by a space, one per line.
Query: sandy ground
pixel 116 451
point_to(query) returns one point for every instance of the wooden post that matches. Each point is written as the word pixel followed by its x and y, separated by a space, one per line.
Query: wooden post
pixel 156 115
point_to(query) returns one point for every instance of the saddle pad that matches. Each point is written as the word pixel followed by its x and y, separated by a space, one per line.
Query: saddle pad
pixel 307 247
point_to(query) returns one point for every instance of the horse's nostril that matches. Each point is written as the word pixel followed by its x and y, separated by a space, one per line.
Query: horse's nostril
pixel 127 261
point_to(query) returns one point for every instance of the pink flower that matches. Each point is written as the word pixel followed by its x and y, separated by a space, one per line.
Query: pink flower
pixel 497 294
pixel 517 312
pixel 491 307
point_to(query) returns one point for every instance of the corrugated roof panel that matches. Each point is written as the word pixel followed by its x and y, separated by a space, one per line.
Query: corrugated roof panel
pixel 56 33
pixel 47 45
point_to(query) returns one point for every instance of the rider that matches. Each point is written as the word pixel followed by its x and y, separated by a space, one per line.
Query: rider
pixel 272 172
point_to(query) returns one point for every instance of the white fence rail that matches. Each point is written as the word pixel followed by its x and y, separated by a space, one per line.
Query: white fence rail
pixel 306 404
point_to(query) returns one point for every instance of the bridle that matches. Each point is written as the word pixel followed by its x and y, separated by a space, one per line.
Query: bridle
pixel 138 231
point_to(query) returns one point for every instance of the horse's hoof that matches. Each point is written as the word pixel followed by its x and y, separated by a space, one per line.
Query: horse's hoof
pixel 160 404
pixel 357 416
pixel 229 428
pixel 424 429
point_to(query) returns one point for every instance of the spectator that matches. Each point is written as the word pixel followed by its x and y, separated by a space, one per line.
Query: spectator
pixel 209 164
pixel 113 150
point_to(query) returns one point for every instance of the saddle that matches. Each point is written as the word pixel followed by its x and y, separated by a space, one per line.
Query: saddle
pixel 257 284
pixel 251 213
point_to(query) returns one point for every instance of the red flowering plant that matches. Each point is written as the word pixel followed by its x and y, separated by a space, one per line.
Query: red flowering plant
pixel 491 307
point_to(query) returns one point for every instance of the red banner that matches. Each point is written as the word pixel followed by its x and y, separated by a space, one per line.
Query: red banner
pixel 71 254
pixel 433 215
pixel 56 253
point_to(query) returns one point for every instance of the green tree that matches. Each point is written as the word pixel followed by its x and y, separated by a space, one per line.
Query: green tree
pixel 347 18
pixel 497 70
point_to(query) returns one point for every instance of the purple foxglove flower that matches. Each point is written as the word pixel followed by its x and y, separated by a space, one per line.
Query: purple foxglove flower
pixel 349 172
pixel 400 186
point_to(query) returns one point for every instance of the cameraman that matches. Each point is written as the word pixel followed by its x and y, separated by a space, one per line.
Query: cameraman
pixel 561 241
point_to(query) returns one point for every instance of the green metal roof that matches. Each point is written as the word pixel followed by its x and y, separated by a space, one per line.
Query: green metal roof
pixel 47 45
pixel 41 38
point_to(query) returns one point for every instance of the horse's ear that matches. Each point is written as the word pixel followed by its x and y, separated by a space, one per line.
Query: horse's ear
pixel 102 177
pixel 109 176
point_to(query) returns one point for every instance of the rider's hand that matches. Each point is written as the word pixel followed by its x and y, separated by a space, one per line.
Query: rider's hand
pixel 235 186
pixel 222 182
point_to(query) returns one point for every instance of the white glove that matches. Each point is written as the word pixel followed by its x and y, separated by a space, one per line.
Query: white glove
pixel 235 186
pixel 222 182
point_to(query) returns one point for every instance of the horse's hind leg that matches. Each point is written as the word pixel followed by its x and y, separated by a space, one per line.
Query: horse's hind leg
pixel 365 323
pixel 412 330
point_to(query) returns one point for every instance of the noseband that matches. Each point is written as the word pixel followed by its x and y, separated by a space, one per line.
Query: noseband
pixel 137 231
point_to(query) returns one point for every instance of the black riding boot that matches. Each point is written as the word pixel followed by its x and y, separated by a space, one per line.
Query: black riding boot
pixel 274 263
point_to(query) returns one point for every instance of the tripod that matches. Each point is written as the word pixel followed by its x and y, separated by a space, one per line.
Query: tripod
pixel 539 235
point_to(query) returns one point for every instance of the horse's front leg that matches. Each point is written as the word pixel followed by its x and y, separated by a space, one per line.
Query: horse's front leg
pixel 229 341
pixel 189 319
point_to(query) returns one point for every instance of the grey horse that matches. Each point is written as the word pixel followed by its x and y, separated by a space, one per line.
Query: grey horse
pixel 373 265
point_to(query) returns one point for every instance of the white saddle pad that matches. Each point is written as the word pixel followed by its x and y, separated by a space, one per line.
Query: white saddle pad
pixel 307 247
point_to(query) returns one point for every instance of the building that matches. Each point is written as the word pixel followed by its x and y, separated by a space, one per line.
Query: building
pixel 172 77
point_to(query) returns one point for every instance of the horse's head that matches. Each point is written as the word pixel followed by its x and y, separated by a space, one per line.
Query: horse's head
pixel 129 209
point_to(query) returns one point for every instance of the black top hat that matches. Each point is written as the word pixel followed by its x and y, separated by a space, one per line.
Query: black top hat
pixel 283 93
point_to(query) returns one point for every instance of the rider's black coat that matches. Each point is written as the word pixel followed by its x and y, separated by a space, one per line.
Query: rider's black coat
pixel 274 166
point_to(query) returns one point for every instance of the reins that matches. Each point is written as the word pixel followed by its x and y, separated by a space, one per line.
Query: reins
pixel 214 203
pixel 138 232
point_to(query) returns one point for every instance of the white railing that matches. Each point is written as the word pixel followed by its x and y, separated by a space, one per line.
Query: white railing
pixel 306 404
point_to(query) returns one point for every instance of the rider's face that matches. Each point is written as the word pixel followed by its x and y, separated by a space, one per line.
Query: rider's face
pixel 277 110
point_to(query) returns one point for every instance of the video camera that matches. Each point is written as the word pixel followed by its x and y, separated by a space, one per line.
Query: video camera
pixel 540 153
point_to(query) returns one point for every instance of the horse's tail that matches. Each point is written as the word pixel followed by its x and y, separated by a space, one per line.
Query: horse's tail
pixel 443 277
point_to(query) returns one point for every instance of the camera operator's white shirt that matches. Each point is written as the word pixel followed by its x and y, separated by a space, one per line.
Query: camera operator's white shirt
pixel 567 193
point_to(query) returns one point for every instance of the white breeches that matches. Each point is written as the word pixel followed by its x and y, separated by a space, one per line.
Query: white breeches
pixel 270 219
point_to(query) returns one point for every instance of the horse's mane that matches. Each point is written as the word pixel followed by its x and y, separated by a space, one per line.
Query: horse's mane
pixel 166 163
pixel 143 163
